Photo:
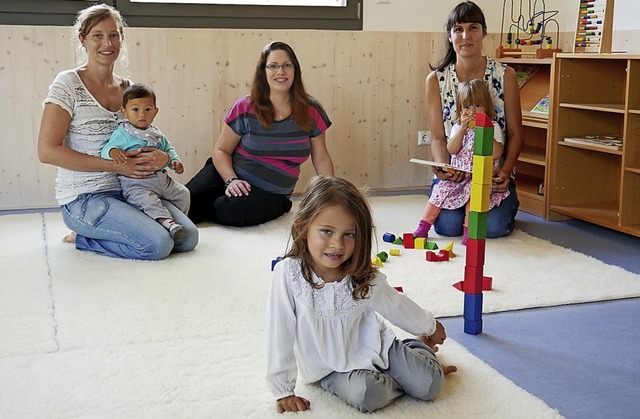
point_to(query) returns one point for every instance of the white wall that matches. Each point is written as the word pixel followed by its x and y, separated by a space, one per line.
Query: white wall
pixel 430 16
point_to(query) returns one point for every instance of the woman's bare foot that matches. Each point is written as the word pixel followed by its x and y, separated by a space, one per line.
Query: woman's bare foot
pixel 449 369
pixel 70 238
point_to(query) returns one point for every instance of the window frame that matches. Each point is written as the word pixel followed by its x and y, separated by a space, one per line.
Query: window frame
pixel 63 12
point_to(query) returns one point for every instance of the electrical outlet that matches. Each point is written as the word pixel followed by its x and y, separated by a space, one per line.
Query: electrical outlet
pixel 424 137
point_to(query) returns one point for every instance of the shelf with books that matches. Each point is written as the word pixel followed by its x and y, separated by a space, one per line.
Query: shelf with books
pixel 594 164
pixel 535 83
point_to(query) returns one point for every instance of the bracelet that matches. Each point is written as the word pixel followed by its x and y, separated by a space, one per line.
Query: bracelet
pixel 228 181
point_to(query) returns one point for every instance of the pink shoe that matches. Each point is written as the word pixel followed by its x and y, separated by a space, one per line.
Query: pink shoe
pixel 465 236
pixel 423 229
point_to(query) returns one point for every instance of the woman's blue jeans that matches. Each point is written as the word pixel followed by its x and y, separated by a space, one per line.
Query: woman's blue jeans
pixel 106 224
pixel 501 220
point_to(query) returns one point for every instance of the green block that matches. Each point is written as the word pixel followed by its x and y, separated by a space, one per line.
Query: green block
pixel 483 143
pixel 477 225
pixel 431 245
pixel 398 241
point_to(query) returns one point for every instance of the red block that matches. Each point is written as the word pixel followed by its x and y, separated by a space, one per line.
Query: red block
pixel 482 120
pixel 472 279
pixel 475 252
pixel 399 289
pixel 407 241
pixel 441 256
pixel 487 283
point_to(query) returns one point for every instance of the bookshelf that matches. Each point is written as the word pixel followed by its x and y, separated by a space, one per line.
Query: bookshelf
pixel 596 94
pixel 531 169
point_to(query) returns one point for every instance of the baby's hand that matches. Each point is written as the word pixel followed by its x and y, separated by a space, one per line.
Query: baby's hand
pixel 118 156
pixel 437 338
pixel 177 166
pixel 292 404
pixel 465 119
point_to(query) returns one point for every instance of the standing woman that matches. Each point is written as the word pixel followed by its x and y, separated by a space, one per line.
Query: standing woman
pixel 466 28
pixel 265 138
pixel 80 113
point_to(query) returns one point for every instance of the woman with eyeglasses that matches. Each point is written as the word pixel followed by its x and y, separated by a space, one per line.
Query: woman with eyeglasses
pixel 266 137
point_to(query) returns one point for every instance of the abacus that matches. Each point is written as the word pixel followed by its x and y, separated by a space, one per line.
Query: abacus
pixel 594 29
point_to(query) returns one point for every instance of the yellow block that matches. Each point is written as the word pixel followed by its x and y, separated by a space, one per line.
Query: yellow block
pixel 419 243
pixel 376 261
pixel 394 252
pixel 480 197
pixel 482 170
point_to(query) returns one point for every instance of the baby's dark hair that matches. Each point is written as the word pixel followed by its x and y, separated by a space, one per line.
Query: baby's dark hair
pixel 137 91
pixel 322 192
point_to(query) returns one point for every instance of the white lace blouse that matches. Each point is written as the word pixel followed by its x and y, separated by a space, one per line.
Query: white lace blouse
pixel 90 128
pixel 326 330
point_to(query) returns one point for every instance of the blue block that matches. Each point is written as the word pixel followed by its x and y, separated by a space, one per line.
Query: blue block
pixel 388 237
pixel 473 307
pixel 472 327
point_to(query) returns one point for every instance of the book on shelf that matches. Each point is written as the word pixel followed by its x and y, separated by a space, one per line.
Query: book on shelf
pixel 609 142
pixel 542 106
pixel 444 166
pixel 524 73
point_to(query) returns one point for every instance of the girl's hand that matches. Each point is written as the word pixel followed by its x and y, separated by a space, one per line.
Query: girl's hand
pixel 466 118
pixel 293 404
pixel 238 188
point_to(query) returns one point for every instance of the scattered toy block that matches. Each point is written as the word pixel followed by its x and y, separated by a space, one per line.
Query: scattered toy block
pixel 388 237
pixel 472 279
pixel 383 256
pixel 475 252
pixel 376 261
pixel 274 261
pixel 394 252
pixel 419 242
pixel 441 256
pixel 482 170
pixel 472 307
pixel 398 240
pixel 487 283
pixel 449 248
pixel 399 289
pixel 472 327
pixel 407 241
pixel 459 286
pixel 431 245
pixel 477 225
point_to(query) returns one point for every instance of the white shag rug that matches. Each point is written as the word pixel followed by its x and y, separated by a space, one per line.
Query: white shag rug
pixel 90 336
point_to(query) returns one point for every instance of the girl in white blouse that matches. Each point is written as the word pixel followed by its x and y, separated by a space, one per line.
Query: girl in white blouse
pixel 325 310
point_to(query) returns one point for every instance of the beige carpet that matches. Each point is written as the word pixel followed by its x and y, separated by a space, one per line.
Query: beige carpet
pixel 89 336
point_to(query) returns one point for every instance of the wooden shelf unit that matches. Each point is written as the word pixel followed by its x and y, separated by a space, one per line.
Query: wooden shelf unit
pixel 531 169
pixel 595 94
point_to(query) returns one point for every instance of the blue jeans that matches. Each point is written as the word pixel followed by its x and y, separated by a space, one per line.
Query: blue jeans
pixel 501 220
pixel 106 224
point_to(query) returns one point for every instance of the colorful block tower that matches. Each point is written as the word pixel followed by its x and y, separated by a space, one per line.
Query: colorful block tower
pixel 477 223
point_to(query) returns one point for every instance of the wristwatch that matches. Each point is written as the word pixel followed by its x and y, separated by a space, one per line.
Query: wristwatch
pixel 228 181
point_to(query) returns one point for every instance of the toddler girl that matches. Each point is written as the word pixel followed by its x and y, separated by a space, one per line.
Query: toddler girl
pixel 473 97
pixel 323 316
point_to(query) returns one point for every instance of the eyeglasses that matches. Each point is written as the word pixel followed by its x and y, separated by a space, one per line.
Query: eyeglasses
pixel 276 67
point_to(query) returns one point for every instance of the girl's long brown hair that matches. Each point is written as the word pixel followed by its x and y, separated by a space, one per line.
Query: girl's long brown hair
pixel 298 98
pixel 320 193
pixel 475 92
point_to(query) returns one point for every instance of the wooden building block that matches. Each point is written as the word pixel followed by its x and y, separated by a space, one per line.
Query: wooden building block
pixel 482 120
pixel 472 307
pixel 483 143
pixel 482 170
pixel 394 252
pixel 407 241
pixel 441 256
pixel 472 327
pixel 431 245
pixel 419 243
pixel 472 280
pixel 475 252
pixel 388 237
pixel 480 197
pixel 487 283
pixel 477 225
pixel 383 256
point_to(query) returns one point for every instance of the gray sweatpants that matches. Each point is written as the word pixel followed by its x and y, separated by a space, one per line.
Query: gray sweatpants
pixel 413 370
pixel 146 194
